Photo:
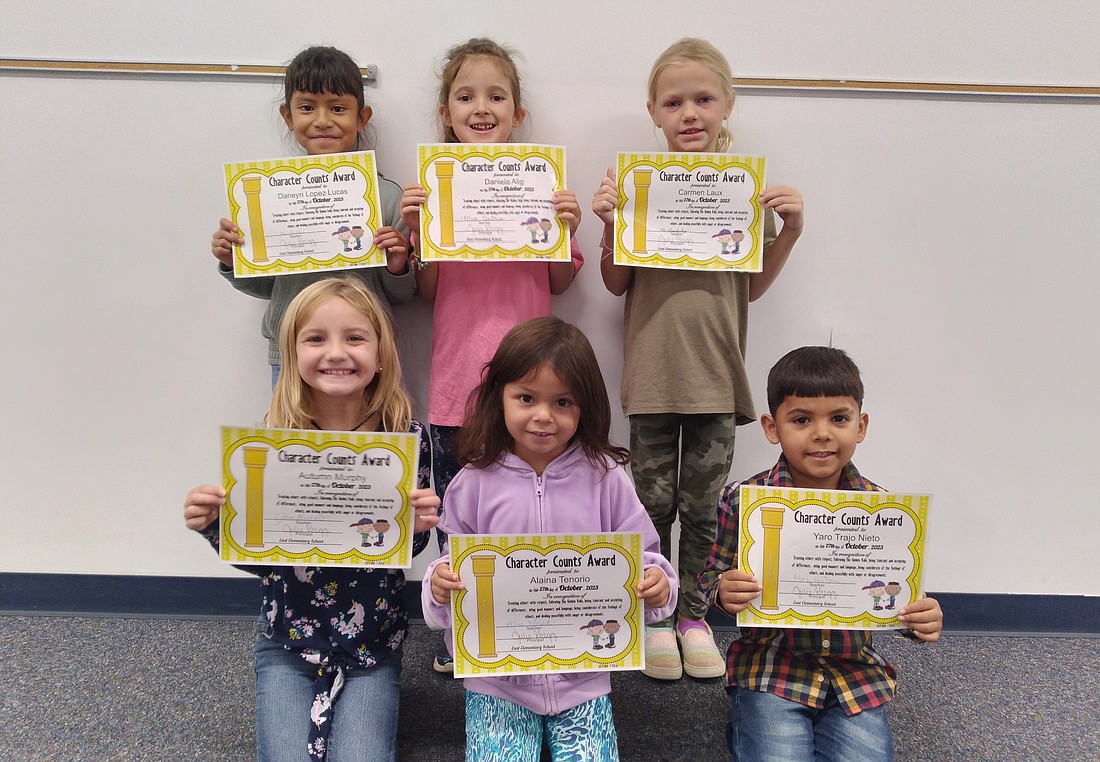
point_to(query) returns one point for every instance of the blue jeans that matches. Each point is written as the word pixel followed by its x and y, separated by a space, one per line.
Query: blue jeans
pixel 274 375
pixel 364 724
pixel 767 727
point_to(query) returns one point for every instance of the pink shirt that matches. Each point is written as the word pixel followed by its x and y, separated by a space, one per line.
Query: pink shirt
pixel 476 303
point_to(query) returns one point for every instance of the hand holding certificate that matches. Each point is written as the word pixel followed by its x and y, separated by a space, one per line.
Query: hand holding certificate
pixel 547 603
pixel 831 559
pixel 305 214
pixel 691 211
pixel 492 202
pixel 318 497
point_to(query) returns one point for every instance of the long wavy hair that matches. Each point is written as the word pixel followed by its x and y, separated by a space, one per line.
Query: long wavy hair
pixel 544 341
pixel 292 403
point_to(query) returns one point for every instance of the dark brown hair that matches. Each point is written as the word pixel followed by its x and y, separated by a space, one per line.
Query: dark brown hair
pixel 814 372
pixel 484 438
pixel 323 70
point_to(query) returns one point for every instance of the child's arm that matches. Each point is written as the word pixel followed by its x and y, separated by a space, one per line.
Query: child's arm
pixel 787 203
pixel 924 618
pixel 412 198
pixel 616 278
pixel 736 590
pixel 562 273
pixel 221 246
pixel 435 593
pixel 722 584
pixel 425 505
pixel 396 247
pixel 444 582
pixel 654 589
pixel 202 506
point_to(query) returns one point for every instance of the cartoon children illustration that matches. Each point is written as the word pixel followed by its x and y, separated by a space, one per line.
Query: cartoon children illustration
pixel 726 237
pixel 876 590
pixel 545 225
pixel 893 589
pixel 343 233
pixel 595 629
pixel 737 237
pixel 381 527
pixel 365 527
pixel 357 233
pixel 532 225
pixel 611 626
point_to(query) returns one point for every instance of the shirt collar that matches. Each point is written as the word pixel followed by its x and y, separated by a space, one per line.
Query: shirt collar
pixel 850 478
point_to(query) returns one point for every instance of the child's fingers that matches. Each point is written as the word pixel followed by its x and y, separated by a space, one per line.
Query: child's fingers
pixel 425 520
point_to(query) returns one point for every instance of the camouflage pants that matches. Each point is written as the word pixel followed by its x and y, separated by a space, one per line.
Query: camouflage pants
pixel 680 464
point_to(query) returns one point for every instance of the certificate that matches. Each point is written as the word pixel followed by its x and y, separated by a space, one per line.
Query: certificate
pixel 492 202
pixel 831 559
pixel 690 211
pixel 317 498
pixel 547 603
pixel 304 214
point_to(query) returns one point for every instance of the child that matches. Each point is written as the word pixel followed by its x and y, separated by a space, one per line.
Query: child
pixel 806 694
pixel 539 460
pixel 476 303
pixel 328 652
pixel 684 385
pixel 325 110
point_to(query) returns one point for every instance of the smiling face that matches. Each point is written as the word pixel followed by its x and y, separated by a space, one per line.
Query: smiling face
pixel 690 104
pixel 541 416
pixel 818 436
pixel 337 350
pixel 481 107
pixel 323 122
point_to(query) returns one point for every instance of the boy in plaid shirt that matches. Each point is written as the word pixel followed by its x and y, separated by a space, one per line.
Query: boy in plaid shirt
pixel 803 694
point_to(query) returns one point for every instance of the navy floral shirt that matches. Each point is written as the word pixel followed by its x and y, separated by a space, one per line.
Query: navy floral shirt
pixel 334 617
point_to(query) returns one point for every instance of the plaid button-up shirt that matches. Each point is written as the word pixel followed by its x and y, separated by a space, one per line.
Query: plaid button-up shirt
pixel 797 664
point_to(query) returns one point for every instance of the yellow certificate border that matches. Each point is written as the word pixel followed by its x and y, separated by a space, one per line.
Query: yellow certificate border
pixel 629 545
pixel 627 252
pixel 433 251
pixel 403 445
pixel 237 172
pixel 754 498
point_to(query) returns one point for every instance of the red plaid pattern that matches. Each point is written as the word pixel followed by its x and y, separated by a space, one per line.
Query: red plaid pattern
pixel 799 665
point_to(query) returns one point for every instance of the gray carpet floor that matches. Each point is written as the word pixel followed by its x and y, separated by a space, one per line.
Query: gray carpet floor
pixel 149 689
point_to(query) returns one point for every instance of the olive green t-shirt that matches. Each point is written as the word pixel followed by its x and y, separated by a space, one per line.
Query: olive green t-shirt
pixel 684 341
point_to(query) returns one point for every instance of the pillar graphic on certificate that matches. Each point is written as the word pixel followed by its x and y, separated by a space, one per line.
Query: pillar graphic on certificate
pixel 304 214
pixel 547 603
pixel 831 559
pixel 491 202
pixel 317 497
pixel 691 211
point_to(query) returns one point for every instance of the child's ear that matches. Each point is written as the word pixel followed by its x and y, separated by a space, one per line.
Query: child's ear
pixel 649 108
pixel 862 427
pixel 364 116
pixel 518 116
pixel 284 112
pixel 771 431
pixel 445 116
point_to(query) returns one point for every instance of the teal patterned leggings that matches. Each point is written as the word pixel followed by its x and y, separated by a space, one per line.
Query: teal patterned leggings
pixel 499 731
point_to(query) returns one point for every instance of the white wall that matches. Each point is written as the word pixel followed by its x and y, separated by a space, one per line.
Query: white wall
pixel 950 247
